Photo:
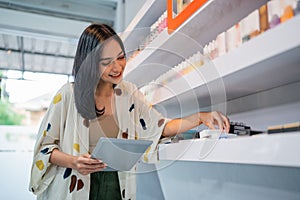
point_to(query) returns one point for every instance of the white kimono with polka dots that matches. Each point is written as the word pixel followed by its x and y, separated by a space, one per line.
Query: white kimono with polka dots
pixel 65 129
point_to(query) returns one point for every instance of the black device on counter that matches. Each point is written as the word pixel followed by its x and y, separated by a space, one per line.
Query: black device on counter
pixel 241 129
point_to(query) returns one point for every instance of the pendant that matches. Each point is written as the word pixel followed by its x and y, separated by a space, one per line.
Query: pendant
pixel 99 112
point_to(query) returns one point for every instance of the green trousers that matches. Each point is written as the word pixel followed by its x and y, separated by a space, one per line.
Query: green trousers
pixel 105 186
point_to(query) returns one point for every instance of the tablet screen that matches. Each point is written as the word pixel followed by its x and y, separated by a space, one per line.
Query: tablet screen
pixel 120 154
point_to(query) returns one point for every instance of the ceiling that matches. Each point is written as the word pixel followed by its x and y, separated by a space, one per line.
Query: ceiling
pixel 41 35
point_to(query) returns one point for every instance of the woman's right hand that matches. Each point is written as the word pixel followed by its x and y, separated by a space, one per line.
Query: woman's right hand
pixel 85 165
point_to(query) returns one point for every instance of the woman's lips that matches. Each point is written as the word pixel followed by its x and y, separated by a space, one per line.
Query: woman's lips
pixel 115 75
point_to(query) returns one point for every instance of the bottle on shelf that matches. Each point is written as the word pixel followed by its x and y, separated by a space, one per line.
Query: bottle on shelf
pixel 233 37
pixel 288 13
pixel 263 18
pixel 221 44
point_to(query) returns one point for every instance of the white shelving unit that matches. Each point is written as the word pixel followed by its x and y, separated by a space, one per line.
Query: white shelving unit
pixel 168 50
pixel 257 82
pixel 139 28
pixel 243 71
pixel 239 73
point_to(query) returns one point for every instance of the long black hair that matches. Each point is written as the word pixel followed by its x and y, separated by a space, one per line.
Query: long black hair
pixel 86 67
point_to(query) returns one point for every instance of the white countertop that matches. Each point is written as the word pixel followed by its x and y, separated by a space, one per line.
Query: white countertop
pixel 266 149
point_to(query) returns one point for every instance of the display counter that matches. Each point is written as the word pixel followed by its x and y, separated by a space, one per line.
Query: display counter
pixel 251 167
pixel 264 149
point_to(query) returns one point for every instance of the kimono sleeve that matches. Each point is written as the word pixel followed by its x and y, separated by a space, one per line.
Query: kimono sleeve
pixel 48 139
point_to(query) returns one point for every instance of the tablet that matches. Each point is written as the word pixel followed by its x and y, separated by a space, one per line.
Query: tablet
pixel 120 154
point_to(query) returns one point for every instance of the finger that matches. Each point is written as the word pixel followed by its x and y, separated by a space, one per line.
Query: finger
pixel 97 165
pixel 97 169
pixel 86 155
pixel 100 168
pixel 93 167
pixel 95 161
pixel 219 122
pixel 227 123
pixel 89 171
pixel 87 159
pixel 90 161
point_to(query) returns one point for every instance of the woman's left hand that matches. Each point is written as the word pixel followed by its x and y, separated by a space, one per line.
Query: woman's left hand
pixel 213 119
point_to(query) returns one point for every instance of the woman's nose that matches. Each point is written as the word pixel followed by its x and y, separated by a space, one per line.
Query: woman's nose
pixel 116 65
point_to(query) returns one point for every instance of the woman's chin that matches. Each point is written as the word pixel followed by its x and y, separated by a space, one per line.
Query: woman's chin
pixel 117 80
pixel 113 79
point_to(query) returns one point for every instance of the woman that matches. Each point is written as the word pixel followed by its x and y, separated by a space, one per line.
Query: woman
pixel 98 104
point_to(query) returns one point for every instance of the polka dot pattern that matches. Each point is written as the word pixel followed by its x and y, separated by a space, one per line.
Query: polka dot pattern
pixel 67 173
pixel 123 193
pixel 79 184
pixel 131 108
pixel 146 153
pixel 72 186
pixel 160 122
pixel 86 123
pixel 143 123
pixel 139 121
pixel 136 136
pixel 118 91
pixel 124 135
pixel 73 183
pixel 45 151
pixel 40 164
pixel 76 146
pixel 57 99
pixel 48 127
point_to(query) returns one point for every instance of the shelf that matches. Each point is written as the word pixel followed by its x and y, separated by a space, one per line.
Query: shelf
pixel 267 61
pixel 147 15
pixel 139 28
pixel 168 50
pixel 274 149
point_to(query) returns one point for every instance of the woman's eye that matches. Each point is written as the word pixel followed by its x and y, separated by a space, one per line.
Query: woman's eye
pixel 108 62
pixel 121 57
pixel 105 63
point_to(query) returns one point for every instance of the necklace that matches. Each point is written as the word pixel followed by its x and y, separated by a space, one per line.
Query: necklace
pixel 99 112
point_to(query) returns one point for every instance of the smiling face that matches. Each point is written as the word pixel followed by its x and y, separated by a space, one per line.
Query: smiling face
pixel 112 62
